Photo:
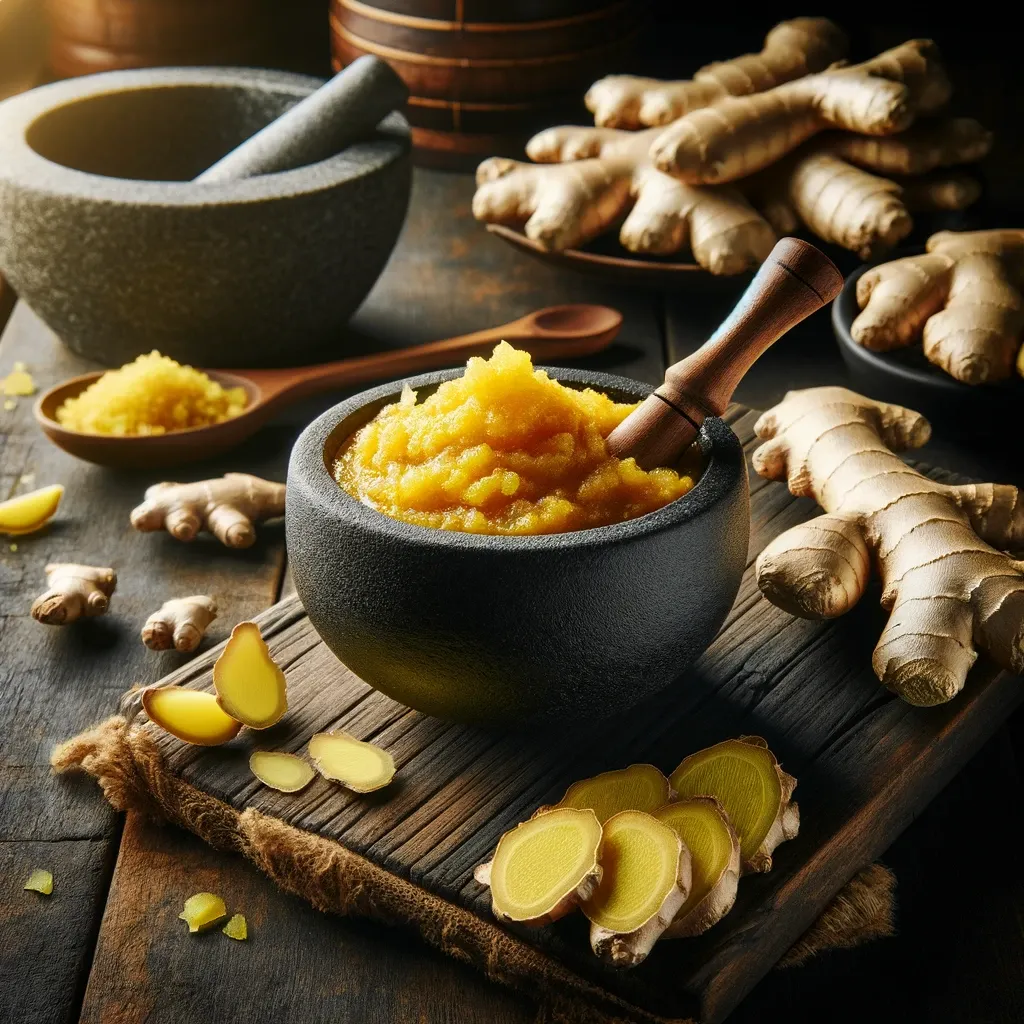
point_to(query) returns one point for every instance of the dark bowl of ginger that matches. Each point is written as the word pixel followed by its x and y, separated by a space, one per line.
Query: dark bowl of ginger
pixel 464 542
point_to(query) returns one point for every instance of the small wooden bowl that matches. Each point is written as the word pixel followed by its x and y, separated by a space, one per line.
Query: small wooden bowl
pixel 905 377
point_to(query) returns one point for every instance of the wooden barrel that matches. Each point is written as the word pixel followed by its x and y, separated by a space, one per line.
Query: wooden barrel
pixel 485 74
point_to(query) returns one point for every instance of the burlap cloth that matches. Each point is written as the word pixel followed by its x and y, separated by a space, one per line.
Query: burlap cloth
pixel 131 773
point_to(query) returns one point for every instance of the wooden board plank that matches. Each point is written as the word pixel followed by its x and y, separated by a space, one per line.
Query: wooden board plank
pixel 867 763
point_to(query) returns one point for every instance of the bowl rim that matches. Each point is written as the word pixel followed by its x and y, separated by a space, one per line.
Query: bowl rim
pixel 845 311
pixel 25 167
pixel 725 469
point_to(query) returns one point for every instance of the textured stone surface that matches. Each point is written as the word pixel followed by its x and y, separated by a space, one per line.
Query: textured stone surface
pixel 103 233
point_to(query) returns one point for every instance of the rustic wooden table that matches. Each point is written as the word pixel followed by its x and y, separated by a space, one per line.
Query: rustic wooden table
pixel 107 946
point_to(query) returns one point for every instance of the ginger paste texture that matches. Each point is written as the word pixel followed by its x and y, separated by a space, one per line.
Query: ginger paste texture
pixel 504 449
pixel 152 395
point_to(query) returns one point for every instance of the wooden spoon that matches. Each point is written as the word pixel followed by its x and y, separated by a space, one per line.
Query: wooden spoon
pixel 551 333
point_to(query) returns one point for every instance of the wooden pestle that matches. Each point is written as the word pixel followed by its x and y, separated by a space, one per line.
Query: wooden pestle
pixel 345 109
pixel 794 281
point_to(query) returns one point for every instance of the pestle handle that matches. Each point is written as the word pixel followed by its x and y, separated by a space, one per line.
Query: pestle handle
pixel 347 108
pixel 794 281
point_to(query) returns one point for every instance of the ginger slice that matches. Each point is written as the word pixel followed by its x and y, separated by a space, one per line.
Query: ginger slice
pixel 180 623
pixel 74 592
pixel 544 867
pixel 29 512
pixel 192 715
pixel 202 911
pixel 250 687
pixel 284 772
pixel 18 382
pixel 645 880
pixel 640 787
pixel 745 778
pixel 361 767
pixel 236 928
pixel 41 881
pixel 714 848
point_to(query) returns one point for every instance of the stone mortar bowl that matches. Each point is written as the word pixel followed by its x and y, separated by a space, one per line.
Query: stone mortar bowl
pixel 105 236
pixel 515 631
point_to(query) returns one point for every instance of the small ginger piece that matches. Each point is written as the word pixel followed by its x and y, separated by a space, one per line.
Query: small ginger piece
pixel 703 826
pixel 19 382
pixel 544 867
pixel 640 787
pixel 645 880
pixel 202 911
pixel 180 623
pixel 755 793
pixel 791 50
pixel 361 767
pixel 947 582
pixel 236 928
pixel 29 512
pixel 962 298
pixel 192 715
pixel 250 686
pixel 40 880
pixel 286 773
pixel 228 507
pixel 73 592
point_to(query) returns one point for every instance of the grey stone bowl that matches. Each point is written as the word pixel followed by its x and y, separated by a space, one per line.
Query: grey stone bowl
pixel 513 631
pixel 105 236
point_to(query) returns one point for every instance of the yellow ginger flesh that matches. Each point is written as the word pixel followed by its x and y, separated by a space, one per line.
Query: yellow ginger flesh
pixel 152 395
pixel 640 787
pixel 250 686
pixel 192 715
pixel 29 512
pixel 236 928
pixel 19 382
pixel 41 881
pixel 361 767
pixel 278 770
pixel 202 911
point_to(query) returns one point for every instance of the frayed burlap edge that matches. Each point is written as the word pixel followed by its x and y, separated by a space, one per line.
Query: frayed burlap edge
pixel 130 771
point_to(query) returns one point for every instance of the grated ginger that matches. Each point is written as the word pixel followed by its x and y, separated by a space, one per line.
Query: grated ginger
pixel 152 395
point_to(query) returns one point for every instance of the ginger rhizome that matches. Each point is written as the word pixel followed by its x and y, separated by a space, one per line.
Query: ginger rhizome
pixel 202 911
pixel 74 592
pixel 236 928
pixel 640 787
pixel 229 507
pixel 39 880
pixel 947 581
pixel 180 623
pixel 791 50
pixel 962 299
pixel 645 880
pixel 361 767
pixel 29 512
pixel 755 793
pixel 286 773
pixel 194 716
pixel 544 867
pixel 250 687
pixel 704 828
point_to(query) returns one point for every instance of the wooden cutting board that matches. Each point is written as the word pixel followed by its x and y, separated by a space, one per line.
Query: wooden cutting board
pixel 866 763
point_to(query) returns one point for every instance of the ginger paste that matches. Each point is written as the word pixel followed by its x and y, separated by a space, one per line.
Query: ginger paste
pixel 504 449
pixel 152 395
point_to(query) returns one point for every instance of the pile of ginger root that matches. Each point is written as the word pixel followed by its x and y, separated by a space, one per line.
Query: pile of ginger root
pixel 746 151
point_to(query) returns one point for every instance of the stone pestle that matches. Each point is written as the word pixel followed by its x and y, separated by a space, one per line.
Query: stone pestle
pixel 341 112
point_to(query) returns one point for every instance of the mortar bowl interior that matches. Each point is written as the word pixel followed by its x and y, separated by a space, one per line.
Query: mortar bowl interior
pixel 515 631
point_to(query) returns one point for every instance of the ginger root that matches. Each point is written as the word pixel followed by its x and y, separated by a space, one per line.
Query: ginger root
pixel 194 716
pixel 250 686
pixel 29 512
pixel 361 767
pixel 962 299
pixel 791 50
pixel 228 507
pixel 236 928
pixel 39 880
pixel 640 787
pixel 645 880
pixel 544 867
pixel 180 623
pixel 73 592
pixel 947 582
pixel 755 793
pixel 202 911
pixel 286 773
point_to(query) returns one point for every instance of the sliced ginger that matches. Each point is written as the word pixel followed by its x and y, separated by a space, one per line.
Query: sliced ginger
pixel 29 512
pixel 544 867
pixel 714 848
pixel 74 592
pixel 192 715
pixel 250 687
pixel 180 623
pixel 278 770
pixel 202 911
pixel 645 880
pixel 236 928
pixel 640 787
pixel 41 881
pixel 361 767
pixel 745 778
pixel 19 382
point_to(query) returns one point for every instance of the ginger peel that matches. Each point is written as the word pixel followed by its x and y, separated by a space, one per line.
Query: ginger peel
pixel 194 716
pixel 29 512
pixel 74 592
pixel 361 767
pixel 180 623
pixel 229 507
pixel 250 686
pixel 948 583
pixel 286 773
